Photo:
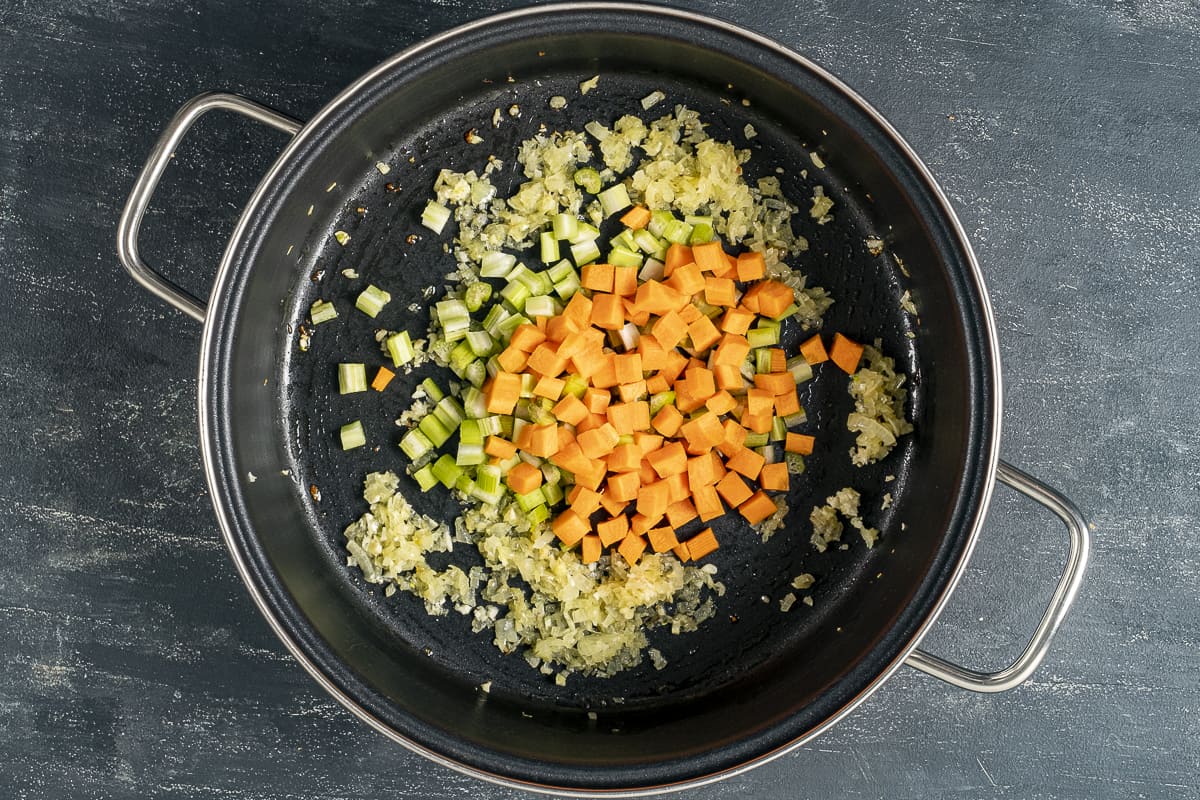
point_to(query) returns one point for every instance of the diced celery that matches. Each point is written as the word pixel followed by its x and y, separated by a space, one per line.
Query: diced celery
pixel 621 257
pixel 587 179
pixel 460 358
pixel 538 515
pixel 352 378
pixel 652 270
pixel 613 199
pixel 564 226
pixel 400 348
pixel 659 221
pixel 762 337
pixel 431 388
pixel 481 343
pixel 585 233
pixel 701 233
pixel 677 231
pixel 488 486
pixel 778 430
pixel 764 322
pixel 446 471
pixel 464 484
pixel 474 402
pixel 697 219
pixel 540 306
pixel 454 318
pixel 767 451
pixel 527 384
pixel 496 265
pixel 795 463
pixel 801 370
pixel 575 386
pixel 646 241
pixel 415 444
pixel 491 323
pixel 470 455
pixel 352 435
pixel 560 271
pixel 755 439
pixel 435 216
pixel 322 311
pixel 515 294
pixel 425 479
pixel 436 432
pixel 449 412
pixel 510 325
pixel 532 500
pixel 553 493
pixel 623 239
pixel 799 418
pixel 476 373
pixel 585 253
pixel 787 312
pixel 477 295
pixel 372 300
pixel 549 247
pixel 517 273
pixel 762 361
pixel 469 432
pixel 658 401
pixel 552 475
pixel 568 286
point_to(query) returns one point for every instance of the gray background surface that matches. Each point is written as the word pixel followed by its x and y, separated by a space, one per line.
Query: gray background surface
pixel 132 661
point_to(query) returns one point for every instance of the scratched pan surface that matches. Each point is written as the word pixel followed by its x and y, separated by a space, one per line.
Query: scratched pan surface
pixel 753 679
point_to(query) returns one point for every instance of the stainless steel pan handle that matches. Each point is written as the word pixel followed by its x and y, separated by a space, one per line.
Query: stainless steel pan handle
pixel 152 172
pixel 1064 594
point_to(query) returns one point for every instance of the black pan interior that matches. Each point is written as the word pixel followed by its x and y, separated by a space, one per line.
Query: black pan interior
pixel 753 678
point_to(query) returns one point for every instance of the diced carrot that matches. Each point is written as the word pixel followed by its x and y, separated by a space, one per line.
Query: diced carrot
pixel 566 436
pixel 511 359
pixel 750 299
pixel 729 378
pixel 700 471
pixel 647 442
pixel 636 218
pixel 702 544
pixel 588 362
pixel 669 330
pixel 774 477
pixel 613 530
pixel 704 431
pixel 656 384
pixel 721 403
pixel 557 328
pixel 759 401
pixel 501 448
pixel 681 552
pixel 687 279
pixel 591 476
pixel 596 400
pixel 720 292
pixel 572 345
pixel 690 314
pixel 775 382
pixel 640 523
pixel 746 462
pixel 612 505
pixel 541 323
pixel 676 363
pixel 799 443
pixel 757 508
pixel 652 353
pixel 678 486
pixel 703 334
pixel 668 460
pixel 778 359
pixel 652 500
pixel 382 378
pixel 626 418
pixel 710 257
pixel 607 312
pixel 572 459
pixel 677 256
pixel 526 337
pixel 813 350
pixel 625 458
pixel 590 422
pixel 845 353
pixel 787 403
pixel 606 376
pixel 700 382
pixel 545 360
pixel 624 282
pixel 662 539
pixel 598 442
pixel 681 513
pixel 590 548
pixel 631 548
pixel 584 500
pixel 737 321
pixel 774 298
pixel 667 421
pixel 570 410
pixel 502 393
pixel 569 527
pixel 623 487
pixel 628 367
pixel 646 473
pixel 632 391
pixel 751 267
pixel 597 277
pixel 543 440
pixel 733 489
pixel 708 502
pixel 578 310
pixel 658 298
pixel 549 388
pixel 524 478
pixel 757 423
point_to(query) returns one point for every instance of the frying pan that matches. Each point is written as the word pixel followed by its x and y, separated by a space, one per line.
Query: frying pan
pixel 754 681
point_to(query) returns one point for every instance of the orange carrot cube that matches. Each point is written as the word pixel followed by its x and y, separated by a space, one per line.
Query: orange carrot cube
pixel 774 477
pixel 590 548
pixel 703 334
pixel 597 277
pixel 613 530
pixel 631 548
pixel 757 508
pixel 799 443
pixel 813 350
pixel 751 267
pixel 569 527
pixel 846 353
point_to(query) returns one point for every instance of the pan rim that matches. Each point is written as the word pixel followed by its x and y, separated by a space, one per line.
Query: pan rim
pixel 209 345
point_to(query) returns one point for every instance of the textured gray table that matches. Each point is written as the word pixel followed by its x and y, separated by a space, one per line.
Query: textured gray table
pixel 134 663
